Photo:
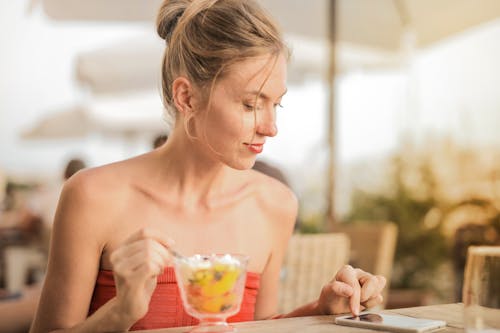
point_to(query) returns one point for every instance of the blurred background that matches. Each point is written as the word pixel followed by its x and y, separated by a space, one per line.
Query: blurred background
pixel 391 119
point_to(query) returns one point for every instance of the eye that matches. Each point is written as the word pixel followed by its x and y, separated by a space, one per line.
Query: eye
pixel 251 107
pixel 277 105
pixel 248 107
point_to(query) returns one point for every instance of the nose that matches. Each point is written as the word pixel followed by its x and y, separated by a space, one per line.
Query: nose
pixel 266 123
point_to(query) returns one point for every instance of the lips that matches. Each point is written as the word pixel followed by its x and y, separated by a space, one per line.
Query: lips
pixel 255 148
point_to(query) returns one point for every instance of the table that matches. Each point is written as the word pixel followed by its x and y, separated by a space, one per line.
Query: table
pixel 451 313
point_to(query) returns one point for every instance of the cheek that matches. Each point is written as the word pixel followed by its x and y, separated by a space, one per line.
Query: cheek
pixel 230 127
pixel 248 123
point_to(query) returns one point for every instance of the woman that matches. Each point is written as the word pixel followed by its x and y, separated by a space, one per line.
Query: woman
pixel 224 74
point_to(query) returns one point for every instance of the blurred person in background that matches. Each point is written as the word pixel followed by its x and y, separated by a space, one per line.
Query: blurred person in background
pixel 19 227
pixel 224 75
pixel 13 213
pixel 73 166
pixel 3 185
pixel 270 170
pixel 17 309
pixel 159 140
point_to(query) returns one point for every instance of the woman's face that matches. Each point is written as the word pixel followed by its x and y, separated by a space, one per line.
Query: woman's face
pixel 229 128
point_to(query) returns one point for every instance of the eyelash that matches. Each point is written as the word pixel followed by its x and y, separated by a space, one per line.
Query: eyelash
pixel 248 107
pixel 251 108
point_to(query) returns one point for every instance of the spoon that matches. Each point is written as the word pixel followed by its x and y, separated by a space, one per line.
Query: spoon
pixel 175 253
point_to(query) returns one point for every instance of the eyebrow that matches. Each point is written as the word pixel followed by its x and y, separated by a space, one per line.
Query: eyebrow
pixel 263 95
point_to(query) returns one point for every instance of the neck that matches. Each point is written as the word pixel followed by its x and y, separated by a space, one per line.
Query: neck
pixel 189 174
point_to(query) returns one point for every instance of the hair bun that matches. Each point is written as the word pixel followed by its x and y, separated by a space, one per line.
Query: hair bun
pixel 168 15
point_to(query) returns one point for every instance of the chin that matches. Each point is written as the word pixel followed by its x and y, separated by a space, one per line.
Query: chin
pixel 241 164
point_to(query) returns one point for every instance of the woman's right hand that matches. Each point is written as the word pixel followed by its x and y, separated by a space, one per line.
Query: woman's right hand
pixel 136 265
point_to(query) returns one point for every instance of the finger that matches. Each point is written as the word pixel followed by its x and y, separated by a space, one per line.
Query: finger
pixel 125 266
pixel 128 249
pixel 348 275
pixel 149 251
pixel 342 289
pixel 369 285
pixel 150 268
pixel 378 299
pixel 146 265
pixel 145 233
pixel 382 282
pixel 155 257
pixel 140 245
pixel 161 251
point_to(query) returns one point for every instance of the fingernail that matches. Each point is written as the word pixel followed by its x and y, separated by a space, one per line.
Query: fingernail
pixel 356 310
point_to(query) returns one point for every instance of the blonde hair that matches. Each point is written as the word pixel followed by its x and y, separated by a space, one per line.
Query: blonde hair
pixel 205 37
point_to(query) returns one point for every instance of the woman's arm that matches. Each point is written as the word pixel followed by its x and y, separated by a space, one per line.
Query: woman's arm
pixel 349 291
pixel 282 217
pixel 82 228
pixel 77 241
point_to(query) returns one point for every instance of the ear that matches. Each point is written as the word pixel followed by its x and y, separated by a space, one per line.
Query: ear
pixel 182 93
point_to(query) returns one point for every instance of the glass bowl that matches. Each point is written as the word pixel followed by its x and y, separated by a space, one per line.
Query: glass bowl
pixel 211 288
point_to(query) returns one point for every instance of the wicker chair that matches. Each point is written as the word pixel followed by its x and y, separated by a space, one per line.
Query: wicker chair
pixel 311 261
pixel 372 247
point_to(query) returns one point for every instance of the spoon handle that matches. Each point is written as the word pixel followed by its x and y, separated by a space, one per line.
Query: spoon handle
pixel 175 253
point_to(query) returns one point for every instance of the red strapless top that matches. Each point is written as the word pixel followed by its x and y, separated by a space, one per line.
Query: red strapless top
pixel 165 308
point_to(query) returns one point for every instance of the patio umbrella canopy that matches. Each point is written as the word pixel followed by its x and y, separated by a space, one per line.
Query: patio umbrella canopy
pixel 381 23
pixel 374 23
pixel 133 120
pixel 101 10
pixel 65 124
pixel 135 64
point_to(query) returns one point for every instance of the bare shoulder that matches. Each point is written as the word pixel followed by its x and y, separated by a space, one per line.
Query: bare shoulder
pixel 102 182
pixel 94 193
pixel 275 198
pixel 86 187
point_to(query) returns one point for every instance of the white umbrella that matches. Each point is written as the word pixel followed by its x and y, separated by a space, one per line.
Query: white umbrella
pixel 135 64
pixel 381 23
pixel 101 10
pixel 125 117
pixel 69 124
pixel 376 23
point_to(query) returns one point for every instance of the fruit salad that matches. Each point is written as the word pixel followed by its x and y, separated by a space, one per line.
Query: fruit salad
pixel 212 284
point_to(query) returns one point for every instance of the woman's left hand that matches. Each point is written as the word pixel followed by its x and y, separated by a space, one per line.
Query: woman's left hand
pixel 352 290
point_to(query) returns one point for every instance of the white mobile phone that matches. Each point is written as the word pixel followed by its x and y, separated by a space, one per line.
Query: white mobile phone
pixel 392 322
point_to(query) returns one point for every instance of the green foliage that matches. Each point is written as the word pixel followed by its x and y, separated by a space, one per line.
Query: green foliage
pixel 420 249
pixel 311 224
